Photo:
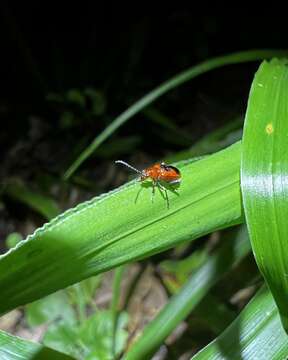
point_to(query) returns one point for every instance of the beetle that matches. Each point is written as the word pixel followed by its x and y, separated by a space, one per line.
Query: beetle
pixel 159 173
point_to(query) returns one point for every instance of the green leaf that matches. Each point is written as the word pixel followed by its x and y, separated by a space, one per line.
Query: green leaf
pixel 194 71
pixel 256 334
pixel 38 202
pixel 50 308
pixel 112 229
pixel 264 176
pixel 64 337
pixel 13 239
pixel 14 348
pixel 98 101
pixel 98 334
pixel 216 320
pixel 93 337
pixel 75 96
pixel 83 293
pixel 188 297
pixel 175 273
pixel 114 307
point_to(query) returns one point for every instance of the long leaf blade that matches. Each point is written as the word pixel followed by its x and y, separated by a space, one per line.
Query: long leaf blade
pixel 111 230
pixel 264 176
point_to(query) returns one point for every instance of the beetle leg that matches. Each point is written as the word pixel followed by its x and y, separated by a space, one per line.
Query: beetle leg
pixel 153 191
pixel 167 199
pixel 162 188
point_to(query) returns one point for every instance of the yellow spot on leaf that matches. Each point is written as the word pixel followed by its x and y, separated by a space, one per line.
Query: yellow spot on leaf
pixel 269 129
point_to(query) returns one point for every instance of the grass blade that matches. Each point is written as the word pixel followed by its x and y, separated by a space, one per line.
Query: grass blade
pixel 256 334
pixel 194 71
pixel 114 308
pixel 12 347
pixel 264 177
pixel 44 205
pixel 188 297
pixel 112 229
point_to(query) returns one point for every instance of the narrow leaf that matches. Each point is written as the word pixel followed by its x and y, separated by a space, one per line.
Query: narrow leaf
pixel 256 334
pixel 38 202
pixel 265 176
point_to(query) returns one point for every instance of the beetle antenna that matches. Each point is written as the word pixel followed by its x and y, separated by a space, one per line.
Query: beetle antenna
pixel 129 166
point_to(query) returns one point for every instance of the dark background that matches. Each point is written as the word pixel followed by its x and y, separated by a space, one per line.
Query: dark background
pixel 124 54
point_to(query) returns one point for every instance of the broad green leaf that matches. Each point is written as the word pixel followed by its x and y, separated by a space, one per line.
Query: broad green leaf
pixel 15 348
pixel 265 176
pixel 256 334
pixel 188 297
pixel 194 71
pixel 122 226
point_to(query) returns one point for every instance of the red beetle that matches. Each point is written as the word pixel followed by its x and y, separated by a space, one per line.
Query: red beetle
pixel 159 172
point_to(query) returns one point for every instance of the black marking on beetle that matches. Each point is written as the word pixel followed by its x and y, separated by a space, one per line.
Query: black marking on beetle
pixel 169 167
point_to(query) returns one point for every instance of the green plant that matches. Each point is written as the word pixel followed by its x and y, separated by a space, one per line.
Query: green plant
pixel 122 226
